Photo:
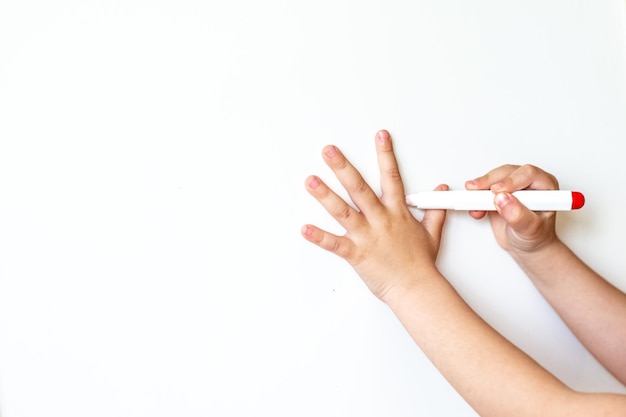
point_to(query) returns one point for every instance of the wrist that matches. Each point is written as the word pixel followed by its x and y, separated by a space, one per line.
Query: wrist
pixel 537 263
pixel 416 282
pixel 532 253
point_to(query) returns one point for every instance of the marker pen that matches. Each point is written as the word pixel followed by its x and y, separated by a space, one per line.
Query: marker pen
pixel 535 200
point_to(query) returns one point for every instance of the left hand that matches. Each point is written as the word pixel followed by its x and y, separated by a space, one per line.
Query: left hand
pixel 387 246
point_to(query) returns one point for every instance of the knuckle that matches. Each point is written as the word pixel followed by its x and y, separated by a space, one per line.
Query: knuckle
pixel 510 167
pixel 553 180
pixel 341 249
pixel 336 247
pixel 341 163
pixel 356 258
pixel 533 171
pixel 530 169
pixel 361 187
pixel 505 170
pixel 394 174
pixel 344 213
pixel 527 172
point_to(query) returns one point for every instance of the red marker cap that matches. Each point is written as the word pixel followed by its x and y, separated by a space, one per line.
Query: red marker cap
pixel 578 200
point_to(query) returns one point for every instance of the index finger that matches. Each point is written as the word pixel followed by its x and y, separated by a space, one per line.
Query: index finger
pixel 390 179
pixel 510 178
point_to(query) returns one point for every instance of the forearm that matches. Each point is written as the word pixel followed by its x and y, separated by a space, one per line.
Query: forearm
pixel 395 256
pixel 592 308
pixel 491 374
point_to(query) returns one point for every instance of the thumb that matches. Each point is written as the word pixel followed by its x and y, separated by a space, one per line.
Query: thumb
pixel 515 214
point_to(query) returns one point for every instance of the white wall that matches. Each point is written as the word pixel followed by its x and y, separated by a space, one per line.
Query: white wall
pixel 152 159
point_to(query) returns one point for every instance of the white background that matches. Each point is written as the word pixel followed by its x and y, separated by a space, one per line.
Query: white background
pixel 152 159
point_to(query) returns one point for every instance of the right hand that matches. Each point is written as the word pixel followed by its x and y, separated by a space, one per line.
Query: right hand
pixel 517 229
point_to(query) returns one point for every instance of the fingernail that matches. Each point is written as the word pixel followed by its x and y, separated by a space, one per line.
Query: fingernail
pixel 307 230
pixel 383 136
pixel 330 151
pixel 314 182
pixel 502 199
pixel 470 184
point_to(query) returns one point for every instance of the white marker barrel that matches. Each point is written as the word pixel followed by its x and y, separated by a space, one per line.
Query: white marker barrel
pixel 483 200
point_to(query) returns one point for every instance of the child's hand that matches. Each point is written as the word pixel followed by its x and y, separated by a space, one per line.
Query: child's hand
pixel 385 244
pixel 517 229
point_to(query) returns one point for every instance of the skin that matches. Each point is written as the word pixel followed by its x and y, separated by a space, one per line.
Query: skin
pixel 592 308
pixel 396 255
